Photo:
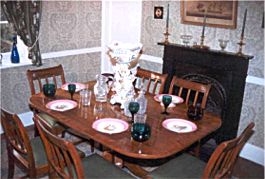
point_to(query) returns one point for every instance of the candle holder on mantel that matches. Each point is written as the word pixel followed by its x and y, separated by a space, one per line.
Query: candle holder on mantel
pixel 241 44
pixel 202 46
pixel 166 34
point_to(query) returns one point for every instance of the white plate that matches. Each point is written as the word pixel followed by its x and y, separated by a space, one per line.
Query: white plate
pixel 179 125
pixel 79 86
pixel 61 105
pixel 110 125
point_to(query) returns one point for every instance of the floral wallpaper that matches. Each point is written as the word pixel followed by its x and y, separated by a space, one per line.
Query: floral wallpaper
pixel 70 25
pixel 153 29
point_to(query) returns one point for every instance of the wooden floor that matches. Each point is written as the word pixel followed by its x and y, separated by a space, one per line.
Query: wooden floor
pixel 244 169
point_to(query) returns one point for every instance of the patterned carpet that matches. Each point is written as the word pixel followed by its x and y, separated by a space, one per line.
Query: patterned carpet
pixel 85 147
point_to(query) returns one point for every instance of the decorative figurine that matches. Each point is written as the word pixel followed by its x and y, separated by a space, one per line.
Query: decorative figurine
pixel 124 59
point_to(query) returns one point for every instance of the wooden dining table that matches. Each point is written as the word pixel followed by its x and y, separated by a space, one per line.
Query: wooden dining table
pixel 162 142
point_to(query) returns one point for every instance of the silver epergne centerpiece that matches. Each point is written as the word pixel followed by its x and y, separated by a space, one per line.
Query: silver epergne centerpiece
pixel 124 59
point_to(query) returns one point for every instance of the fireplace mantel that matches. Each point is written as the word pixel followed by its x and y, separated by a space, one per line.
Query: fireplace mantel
pixel 226 72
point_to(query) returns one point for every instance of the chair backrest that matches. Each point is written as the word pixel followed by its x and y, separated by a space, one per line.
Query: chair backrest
pixel 192 92
pixel 43 76
pixel 222 161
pixel 153 80
pixel 17 138
pixel 63 158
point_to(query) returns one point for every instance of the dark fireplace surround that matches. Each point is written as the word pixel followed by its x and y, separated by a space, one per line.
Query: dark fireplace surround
pixel 226 72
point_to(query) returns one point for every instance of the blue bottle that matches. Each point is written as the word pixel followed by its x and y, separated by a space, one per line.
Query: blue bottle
pixel 14 52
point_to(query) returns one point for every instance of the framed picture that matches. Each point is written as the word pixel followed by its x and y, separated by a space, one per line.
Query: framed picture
pixel 218 13
pixel 158 12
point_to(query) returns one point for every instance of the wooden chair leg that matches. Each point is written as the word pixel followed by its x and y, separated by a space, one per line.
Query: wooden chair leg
pixel 197 150
pixel 63 134
pixel 11 165
pixel 36 132
pixel 92 145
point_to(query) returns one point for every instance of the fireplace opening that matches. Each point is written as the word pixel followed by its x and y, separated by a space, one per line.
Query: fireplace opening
pixel 217 99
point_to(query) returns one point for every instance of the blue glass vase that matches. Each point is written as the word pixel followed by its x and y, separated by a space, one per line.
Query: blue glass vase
pixel 14 52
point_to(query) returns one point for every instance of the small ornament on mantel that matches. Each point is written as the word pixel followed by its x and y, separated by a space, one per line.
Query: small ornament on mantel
pixel 166 34
pixel 241 43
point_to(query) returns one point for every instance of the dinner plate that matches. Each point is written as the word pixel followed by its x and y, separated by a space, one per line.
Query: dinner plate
pixel 175 99
pixel 79 86
pixel 61 105
pixel 179 125
pixel 110 125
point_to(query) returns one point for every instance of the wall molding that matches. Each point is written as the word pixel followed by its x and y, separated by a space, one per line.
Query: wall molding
pixel 65 53
pixel 7 64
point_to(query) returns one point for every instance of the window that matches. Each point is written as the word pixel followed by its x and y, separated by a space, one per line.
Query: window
pixel 7 34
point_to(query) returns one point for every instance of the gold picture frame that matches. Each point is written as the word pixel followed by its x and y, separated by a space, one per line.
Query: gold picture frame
pixel 221 14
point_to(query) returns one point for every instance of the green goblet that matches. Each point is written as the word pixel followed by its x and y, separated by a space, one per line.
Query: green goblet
pixel 166 99
pixel 133 108
pixel 71 90
pixel 49 89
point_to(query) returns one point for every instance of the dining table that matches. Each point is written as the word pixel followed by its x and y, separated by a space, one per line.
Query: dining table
pixel 162 143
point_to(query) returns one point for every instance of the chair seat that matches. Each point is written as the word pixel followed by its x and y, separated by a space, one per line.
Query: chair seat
pixel 97 167
pixel 183 166
pixel 38 151
pixel 50 120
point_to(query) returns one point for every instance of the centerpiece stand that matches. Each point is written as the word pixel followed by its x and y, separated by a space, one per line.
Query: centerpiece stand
pixel 124 61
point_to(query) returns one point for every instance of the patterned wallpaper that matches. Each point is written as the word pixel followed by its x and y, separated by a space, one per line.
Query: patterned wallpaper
pixel 153 29
pixel 70 25
pixel 65 25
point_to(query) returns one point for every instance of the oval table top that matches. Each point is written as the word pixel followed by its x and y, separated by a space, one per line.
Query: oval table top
pixel 161 144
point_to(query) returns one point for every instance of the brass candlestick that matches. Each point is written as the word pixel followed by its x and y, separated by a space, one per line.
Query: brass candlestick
pixel 166 34
pixel 201 46
pixel 241 43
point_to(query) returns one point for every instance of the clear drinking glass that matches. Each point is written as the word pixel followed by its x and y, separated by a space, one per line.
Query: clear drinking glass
pixel 85 97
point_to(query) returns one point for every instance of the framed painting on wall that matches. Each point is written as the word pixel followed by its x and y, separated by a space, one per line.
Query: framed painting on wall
pixel 218 13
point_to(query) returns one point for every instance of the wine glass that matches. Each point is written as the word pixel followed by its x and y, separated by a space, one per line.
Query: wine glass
pixel 71 90
pixel 133 108
pixel 166 99
pixel 195 112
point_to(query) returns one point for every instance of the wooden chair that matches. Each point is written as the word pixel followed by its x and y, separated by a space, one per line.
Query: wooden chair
pixel 220 164
pixel 28 154
pixel 36 79
pixel 65 162
pixel 153 80
pixel 194 92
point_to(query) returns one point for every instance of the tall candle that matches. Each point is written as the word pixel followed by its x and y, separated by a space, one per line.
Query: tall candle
pixel 244 23
pixel 167 16
pixel 204 23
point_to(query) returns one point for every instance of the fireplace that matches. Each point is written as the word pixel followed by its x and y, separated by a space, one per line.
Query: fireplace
pixel 225 71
